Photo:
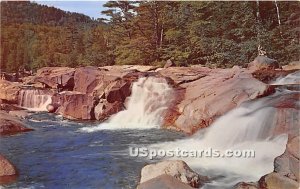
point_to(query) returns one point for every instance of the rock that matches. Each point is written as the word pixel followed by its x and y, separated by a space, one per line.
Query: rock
pixel 286 119
pixel 51 108
pixel 286 168
pixel 182 75
pixel 104 109
pixel 117 91
pixel 91 79
pixel 56 77
pixel 19 113
pixel 245 185
pixel 292 66
pixel 263 62
pixel 163 182
pixel 175 168
pixel 8 172
pixel 211 94
pixel 74 105
pixel 129 68
pixel 11 125
pixel 276 181
pixel 169 63
pixel 293 150
pixel 9 107
pixel 9 91
pixel 268 76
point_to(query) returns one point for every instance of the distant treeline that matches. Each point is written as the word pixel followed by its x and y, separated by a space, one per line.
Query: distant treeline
pixel 215 34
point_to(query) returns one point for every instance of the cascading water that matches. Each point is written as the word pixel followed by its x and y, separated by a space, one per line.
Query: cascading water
pixel 34 99
pixel 248 127
pixel 149 99
pixel 293 78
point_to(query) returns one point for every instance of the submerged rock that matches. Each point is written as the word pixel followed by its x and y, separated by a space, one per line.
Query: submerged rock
pixel 8 171
pixel 19 113
pixel 245 185
pixel 11 125
pixel 175 168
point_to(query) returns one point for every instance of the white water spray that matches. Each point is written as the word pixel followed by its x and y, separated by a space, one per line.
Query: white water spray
pixel 146 106
pixel 249 127
pixel 292 78
pixel 34 99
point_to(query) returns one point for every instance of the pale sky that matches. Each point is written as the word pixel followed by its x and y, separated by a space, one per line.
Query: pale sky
pixel 89 8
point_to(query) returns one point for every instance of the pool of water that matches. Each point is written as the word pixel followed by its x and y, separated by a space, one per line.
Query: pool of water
pixel 58 155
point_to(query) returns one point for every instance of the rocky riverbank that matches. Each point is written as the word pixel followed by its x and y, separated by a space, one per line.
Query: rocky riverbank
pixel 201 96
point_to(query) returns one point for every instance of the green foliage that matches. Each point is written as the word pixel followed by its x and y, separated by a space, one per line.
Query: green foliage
pixel 215 34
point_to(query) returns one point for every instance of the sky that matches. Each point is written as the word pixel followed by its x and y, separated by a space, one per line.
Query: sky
pixel 89 8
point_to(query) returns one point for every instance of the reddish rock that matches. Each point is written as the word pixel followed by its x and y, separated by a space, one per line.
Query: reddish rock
pixel 211 93
pixel 268 76
pixel 56 77
pixel 93 80
pixel 9 91
pixel 277 181
pixel 51 108
pixel 177 169
pixel 104 109
pixel 118 91
pixel 74 105
pixel 287 114
pixel 8 172
pixel 163 182
pixel 182 75
pixel 11 125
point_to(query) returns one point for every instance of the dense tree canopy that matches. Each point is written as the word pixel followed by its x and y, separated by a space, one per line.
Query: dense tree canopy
pixel 216 34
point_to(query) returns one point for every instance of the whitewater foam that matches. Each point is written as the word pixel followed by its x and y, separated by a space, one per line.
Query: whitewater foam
pixel 34 99
pixel 145 108
pixel 292 78
pixel 249 127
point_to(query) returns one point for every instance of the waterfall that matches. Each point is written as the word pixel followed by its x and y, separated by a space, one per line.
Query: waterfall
pixel 34 99
pixel 248 127
pixel 145 108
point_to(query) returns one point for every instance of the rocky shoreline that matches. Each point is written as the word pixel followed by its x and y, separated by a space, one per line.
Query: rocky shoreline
pixel 201 96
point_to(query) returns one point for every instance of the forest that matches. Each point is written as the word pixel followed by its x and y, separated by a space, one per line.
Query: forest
pixel 213 34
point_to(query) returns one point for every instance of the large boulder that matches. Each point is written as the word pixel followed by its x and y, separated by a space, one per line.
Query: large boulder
pixel 74 105
pixel 276 181
pixel 8 171
pixel 263 62
pixel 286 118
pixel 288 164
pixel 94 80
pixel 9 91
pixel 56 77
pixel 175 168
pixel 11 125
pixel 209 94
pixel 163 182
